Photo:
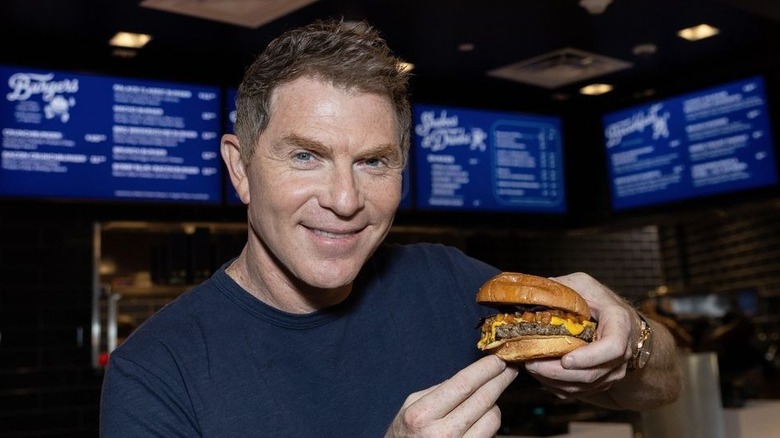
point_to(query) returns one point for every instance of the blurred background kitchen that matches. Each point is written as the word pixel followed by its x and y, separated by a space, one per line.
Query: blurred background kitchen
pixel 631 139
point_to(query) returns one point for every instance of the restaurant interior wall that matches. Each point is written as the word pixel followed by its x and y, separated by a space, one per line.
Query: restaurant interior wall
pixel 48 386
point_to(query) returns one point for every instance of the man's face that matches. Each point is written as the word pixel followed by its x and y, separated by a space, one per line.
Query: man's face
pixel 324 183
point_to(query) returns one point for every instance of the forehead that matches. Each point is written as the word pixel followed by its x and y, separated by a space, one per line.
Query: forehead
pixel 306 90
pixel 313 102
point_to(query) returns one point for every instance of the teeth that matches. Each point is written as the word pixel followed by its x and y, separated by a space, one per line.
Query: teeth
pixel 331 235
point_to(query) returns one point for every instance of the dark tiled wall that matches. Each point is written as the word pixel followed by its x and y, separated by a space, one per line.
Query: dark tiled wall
pixel 726 252
pixel 628 261
pixel 47 387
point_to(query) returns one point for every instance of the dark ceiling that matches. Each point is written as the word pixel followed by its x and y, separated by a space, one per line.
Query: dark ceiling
pixel 73 34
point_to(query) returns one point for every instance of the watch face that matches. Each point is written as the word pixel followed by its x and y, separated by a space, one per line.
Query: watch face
pixel 644 347
pixel 641 361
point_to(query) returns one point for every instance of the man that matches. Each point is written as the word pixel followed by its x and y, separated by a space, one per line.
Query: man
pixel 318 328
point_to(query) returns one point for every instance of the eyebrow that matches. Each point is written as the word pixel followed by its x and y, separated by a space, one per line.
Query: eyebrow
pixel 384 150
pixel 304 142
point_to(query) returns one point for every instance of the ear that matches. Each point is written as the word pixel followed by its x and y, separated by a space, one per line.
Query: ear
pixel 231 155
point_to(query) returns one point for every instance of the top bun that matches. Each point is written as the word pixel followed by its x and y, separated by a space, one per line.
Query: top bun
pixel 512 288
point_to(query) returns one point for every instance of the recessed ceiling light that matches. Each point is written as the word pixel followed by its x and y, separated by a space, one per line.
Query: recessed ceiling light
pixel 644 49
pixel 121 52
pixel 466 47
pixel 595 89
pixel 130 40
pixel 405 66
pixel 699 32
pixel 595 7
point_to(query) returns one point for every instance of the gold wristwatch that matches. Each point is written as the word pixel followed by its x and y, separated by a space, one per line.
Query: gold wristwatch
pixel 644 346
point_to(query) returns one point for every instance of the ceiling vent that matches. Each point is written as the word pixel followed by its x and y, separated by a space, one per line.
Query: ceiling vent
pixel 246 13
pixel 559 68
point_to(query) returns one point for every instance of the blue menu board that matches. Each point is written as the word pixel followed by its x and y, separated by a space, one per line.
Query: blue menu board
pixel 476 160
pixel 705 143
pixel 91 137
pixel 231 195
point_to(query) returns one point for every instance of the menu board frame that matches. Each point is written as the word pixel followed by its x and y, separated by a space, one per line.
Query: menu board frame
pixel 696 146
pixel 99 138
pixel 476 160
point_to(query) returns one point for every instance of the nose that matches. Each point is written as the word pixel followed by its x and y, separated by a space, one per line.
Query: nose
pixel 343 194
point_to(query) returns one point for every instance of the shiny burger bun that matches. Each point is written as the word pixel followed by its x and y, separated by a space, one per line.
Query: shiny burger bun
pixel 513 288
pixel 535 347
pixel 549 317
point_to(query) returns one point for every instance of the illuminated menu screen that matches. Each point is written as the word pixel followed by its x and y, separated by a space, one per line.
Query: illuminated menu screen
pixel 475 160
pixel 79 136
pixel 705 143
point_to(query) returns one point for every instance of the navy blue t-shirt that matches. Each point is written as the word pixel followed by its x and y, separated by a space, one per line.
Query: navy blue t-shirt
pixel 217 362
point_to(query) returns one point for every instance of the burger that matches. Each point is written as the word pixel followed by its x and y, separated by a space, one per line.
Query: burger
pixel 538 318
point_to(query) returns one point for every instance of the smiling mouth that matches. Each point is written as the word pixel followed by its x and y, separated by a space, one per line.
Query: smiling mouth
pixel 333 234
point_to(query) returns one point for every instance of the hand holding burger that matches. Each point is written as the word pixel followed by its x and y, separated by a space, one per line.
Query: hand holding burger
pixel 539 318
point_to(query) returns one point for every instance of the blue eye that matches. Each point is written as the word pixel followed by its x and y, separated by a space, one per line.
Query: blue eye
pixel 303 156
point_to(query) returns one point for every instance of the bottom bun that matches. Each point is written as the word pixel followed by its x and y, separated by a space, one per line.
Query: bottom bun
pixel 536 347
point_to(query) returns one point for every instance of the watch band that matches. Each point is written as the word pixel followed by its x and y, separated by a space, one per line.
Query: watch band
pixel 644 346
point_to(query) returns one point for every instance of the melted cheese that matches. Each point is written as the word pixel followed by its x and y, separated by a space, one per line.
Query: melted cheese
pixel 489 336
pixel 573 327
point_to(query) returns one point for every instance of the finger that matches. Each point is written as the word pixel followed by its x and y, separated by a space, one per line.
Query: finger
pixel 474 408
pixel 561 381
pixel 451 393
pixel 611 345
pixel 552 371
pixel 583 283
pixel 487 425
pixel 610 349
pixel 614 323
pixel 413 397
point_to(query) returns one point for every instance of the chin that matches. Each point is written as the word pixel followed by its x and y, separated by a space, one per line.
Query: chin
pixel 329 277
